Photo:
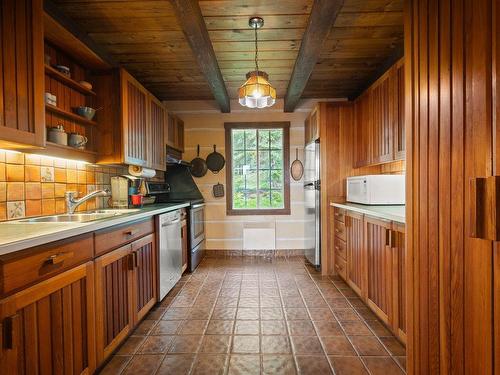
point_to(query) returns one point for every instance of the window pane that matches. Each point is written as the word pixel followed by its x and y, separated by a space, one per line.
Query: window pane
pixel 251 159
pixel 264 182
pixel 276 138
pixel 276 179
pixel 250 139
pixel 264 201
pixel 238 199
pixel 277 199
pixel 238 160
pixel 263 139
pixel 238 139
pixel 251 200
pixel 251 180
pixel 277 159
pixel 264 162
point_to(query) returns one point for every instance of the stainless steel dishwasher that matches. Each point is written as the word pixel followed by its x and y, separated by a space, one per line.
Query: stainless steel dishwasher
pixel 170 251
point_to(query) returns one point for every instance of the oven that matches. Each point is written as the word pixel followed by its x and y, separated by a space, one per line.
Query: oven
pixel 196 234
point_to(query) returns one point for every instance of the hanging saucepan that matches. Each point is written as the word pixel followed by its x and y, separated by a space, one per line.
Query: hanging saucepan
pixel 215 161
pixel 297 169
pixel 198 165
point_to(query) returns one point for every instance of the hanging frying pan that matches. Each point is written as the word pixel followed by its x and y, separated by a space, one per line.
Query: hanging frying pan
pixel 198 165
pixel 297 169
pixel 215 161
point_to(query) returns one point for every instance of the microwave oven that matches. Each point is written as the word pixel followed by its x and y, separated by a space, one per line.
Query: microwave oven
pixel 376 189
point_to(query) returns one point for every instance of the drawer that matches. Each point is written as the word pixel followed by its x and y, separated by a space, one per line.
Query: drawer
pixel 22 269
pixel 340 248
pixel 111 238
pixel 341 267
pixel 339 228
pixel 339 214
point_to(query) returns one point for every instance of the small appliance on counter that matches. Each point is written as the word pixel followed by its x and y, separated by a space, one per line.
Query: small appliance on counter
pixel 123 189
pixel 382 189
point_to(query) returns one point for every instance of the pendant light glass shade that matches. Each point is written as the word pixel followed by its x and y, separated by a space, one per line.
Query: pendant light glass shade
pixel 257 92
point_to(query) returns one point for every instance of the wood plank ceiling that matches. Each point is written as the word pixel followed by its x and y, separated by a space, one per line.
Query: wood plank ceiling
pixel 145 37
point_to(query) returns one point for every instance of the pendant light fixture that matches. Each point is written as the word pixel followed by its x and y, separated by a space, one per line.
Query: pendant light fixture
pixel 256 92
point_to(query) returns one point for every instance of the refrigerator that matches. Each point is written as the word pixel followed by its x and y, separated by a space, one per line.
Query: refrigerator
pixel 312 203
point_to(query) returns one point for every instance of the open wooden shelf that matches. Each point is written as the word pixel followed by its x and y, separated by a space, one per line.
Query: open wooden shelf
pixel 54 73
pixel 69 115
pixel 68 152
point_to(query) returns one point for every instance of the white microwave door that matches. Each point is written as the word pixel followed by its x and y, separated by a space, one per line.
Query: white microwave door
pixel 357 191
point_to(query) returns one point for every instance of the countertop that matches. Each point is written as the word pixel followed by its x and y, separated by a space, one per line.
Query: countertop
pixel 394 213
pixel 15 235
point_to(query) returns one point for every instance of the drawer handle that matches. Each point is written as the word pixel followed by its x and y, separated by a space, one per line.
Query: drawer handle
pixel 337 230
pixel 340 268
pixel 59 258
pixel 130 232
pixel 337 248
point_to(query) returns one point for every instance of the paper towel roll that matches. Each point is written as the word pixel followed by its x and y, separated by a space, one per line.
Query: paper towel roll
pixel 137 171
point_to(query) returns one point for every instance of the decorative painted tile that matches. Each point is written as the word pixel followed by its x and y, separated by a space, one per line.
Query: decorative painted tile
pixel 32 173
pixel 15 172
pixel 47 174
pixel 15 191
pixel 16 210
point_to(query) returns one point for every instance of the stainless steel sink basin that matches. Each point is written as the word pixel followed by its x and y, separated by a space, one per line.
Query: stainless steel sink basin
pixel 82 217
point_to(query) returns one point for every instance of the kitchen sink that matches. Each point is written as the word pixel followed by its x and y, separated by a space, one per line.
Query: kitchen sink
pixel 82 217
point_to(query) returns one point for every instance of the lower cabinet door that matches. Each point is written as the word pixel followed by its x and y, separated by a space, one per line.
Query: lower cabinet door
pixel 399 281
pixel 113 300
pixel 144 276
pixel 356 262
pixel 379 266
pixel 49 328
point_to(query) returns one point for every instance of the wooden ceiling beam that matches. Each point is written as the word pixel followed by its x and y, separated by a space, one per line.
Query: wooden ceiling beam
pixel 323 16
pixel 193 25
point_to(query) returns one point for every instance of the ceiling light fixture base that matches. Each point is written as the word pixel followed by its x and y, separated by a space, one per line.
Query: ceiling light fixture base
pixel 256 22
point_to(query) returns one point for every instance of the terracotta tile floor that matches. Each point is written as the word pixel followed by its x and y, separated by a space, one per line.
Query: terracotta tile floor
pixel 246 315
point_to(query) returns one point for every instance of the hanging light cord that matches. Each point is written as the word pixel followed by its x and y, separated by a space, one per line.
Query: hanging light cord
pixel 256 51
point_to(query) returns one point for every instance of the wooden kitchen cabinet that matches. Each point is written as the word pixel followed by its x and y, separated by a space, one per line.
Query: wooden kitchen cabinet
pixel 311 127
pixel 49 327
pixel 379 267
pixel 175 133
pixel 398 281
pixel 144 276
pixel 356 262
pixel 134 134
pixel 22 114
pixel 125 292
pixel 157 149
pixel 114 295
pixel 379 133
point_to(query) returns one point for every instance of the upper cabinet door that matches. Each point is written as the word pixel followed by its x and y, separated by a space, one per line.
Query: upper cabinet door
pixel 381 127
pixel 158 116
pixel 363 120
pixel 398 100
pixel 22 80
pixel 175 132
pixel 136 128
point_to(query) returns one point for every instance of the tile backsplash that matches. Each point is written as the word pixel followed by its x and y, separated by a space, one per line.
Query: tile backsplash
pixel 34 185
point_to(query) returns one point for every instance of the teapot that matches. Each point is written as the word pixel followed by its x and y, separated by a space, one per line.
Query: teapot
pixel 77 140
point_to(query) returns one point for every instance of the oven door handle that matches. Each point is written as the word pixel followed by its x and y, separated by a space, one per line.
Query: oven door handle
pixel 197 206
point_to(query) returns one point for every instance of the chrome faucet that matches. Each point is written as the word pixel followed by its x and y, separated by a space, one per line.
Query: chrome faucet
pixel 72 203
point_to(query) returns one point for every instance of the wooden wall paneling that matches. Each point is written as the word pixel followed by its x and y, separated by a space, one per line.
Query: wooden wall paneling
pixel 378 262
pixel 114 296
pixel 449 142
pixel 496 172
pixel 398 102
pixel 51 325
pixel 22 83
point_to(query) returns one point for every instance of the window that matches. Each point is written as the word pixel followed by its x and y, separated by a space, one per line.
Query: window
pixel 257 176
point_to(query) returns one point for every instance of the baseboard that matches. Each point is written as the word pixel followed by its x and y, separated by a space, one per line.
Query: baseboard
pixel 281 253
